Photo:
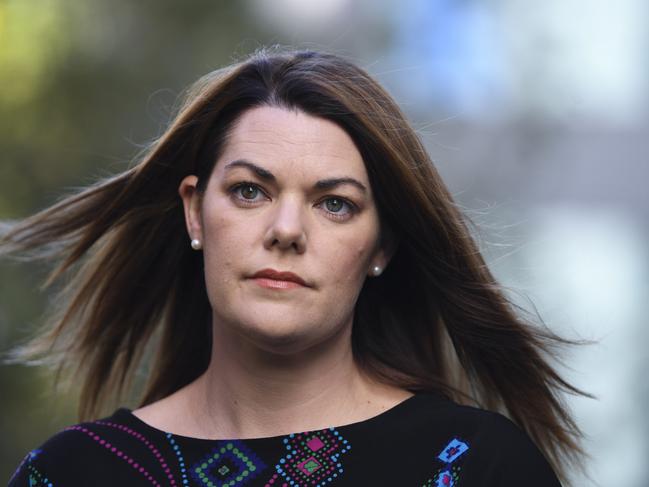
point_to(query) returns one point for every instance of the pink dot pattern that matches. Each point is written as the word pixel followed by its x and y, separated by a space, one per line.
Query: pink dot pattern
pixel 273 479
pixel 148 444
pixel 113 449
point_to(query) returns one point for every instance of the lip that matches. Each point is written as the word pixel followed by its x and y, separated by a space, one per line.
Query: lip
pixel 279 276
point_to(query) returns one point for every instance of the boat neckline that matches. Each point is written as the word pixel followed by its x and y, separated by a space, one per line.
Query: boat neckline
pixel 400 408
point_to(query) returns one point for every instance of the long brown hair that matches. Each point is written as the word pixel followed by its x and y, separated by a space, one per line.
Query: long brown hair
pixel 435 320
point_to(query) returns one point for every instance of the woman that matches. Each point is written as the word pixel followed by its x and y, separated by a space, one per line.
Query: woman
pixel 318 311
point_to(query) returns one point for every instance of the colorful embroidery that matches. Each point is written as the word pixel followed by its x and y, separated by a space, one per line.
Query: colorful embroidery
pixel 140 437
pixel 228 465
pixel 181 460
pixel 448 475
pixel 313 458
pixel 452 451
pixel 36 479
pixel 117 452
pixel 26 459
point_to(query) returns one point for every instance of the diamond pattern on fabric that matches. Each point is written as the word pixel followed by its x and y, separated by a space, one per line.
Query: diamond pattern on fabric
pixel 312 458
pixel 230 464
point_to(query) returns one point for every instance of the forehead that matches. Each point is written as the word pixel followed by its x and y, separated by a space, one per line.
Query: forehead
pixel 292 142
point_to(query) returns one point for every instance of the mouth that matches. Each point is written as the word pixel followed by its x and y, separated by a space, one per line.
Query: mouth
pixel 275 284
pixel 270 278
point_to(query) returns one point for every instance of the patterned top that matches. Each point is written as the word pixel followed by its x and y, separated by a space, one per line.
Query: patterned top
pixel 423 441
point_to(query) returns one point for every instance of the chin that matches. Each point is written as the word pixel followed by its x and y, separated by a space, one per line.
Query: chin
pixel 281 337
pixel 289 343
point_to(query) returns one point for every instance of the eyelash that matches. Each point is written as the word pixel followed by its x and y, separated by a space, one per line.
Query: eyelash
pixel 353 209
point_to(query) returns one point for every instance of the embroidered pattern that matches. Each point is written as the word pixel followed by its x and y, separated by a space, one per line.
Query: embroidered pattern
pixel 181 460
pixel 449 474
pixel 141 438
pixel 313 458
pixel 35 478
pixel 117 452
pixel 228 465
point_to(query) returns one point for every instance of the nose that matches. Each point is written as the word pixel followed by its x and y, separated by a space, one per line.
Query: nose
pixel 286 228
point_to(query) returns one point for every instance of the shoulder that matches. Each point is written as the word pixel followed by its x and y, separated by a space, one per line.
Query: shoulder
pixel 487 447
pixel 81 454
pixel 57 456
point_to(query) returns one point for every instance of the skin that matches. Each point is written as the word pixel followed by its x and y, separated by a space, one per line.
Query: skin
pixel 281 358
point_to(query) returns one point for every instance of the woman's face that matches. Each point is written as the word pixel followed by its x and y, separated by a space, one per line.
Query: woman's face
pixel 289 193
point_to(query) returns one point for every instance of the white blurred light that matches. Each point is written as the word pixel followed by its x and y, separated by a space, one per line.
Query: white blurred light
pixel 562 59
pixel 579 57
pixel 591 274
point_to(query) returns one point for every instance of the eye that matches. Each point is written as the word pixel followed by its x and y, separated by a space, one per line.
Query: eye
pixel 246 192
pixel 339 208
pixel 335 207
pixel 249 192
pixel 334 204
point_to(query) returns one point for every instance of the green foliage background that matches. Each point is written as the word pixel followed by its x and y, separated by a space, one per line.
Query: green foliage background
pixel 83 85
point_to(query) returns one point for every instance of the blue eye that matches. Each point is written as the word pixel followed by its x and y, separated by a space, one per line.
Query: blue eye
pixel 335 206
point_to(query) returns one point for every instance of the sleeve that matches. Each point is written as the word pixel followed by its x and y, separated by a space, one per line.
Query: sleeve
pixel 505 456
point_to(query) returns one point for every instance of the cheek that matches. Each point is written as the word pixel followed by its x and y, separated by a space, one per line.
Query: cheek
pixel 350 265
pixel 221 251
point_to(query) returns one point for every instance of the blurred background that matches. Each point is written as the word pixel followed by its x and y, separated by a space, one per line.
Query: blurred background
pixel 535 113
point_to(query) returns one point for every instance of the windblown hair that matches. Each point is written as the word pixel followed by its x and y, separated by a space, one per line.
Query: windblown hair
pixel 435 320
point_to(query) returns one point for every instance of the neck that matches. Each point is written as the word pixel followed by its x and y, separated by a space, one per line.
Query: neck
pixel 247 392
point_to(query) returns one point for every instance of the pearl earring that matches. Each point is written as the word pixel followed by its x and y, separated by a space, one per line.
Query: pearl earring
pixel 196 244
pixel 376 270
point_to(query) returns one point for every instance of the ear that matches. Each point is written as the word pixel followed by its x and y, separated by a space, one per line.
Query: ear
pixel 388 244
pixel 192 206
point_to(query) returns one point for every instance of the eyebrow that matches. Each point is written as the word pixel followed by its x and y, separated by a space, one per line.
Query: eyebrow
pixel 266 175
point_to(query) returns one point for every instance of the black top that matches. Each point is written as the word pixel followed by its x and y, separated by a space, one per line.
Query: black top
pixel 423 441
